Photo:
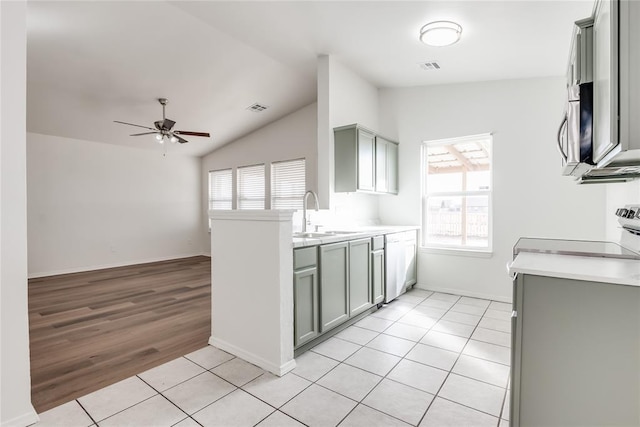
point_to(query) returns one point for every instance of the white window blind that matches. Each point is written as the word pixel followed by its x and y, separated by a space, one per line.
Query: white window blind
pixel 251 187
pixel 220 189
pixel 287 184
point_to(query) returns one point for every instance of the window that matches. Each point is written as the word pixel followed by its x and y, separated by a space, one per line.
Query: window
pixel 287 184
pixel 220 189
pixel 456 202
pixel 251 187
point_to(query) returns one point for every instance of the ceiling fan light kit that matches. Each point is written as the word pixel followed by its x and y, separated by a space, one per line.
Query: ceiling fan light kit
pixel 163 128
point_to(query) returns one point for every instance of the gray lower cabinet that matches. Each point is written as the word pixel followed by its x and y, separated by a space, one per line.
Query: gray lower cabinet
pixel 334 285
pixel 575 357
pixel 305 294
pixel 359 277
pixel 377 276
pixel 377 269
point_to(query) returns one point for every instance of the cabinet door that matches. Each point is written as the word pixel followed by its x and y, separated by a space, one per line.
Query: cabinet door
pixel 578 348
pixel 392 168
pixel 359 276
pixel 334 285
pixel 377 276
pixel 366 160
pixel 410 252
pixel 605 79
pixel 305 294
pixel 382 184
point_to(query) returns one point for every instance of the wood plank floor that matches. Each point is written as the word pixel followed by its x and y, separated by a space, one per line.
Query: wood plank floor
pixel 88 330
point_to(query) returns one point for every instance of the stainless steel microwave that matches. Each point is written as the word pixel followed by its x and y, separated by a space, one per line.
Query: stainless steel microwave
pixel 605 53
pixel 575 135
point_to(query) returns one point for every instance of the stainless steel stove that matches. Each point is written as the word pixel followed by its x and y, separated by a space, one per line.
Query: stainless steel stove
pixel 628 246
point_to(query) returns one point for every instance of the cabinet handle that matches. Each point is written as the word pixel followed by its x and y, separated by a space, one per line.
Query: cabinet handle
pixel 512 276
pixel 562 125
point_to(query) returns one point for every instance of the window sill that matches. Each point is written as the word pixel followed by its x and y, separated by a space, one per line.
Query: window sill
pixel 457 252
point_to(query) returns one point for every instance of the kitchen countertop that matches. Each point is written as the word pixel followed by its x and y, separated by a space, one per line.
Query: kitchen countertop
pixel 607 270
pixel 354 233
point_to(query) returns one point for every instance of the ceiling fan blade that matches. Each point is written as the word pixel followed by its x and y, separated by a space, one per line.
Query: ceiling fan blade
pixel 180 140
pixel 184 132
pixel 143 133
pixel 131 124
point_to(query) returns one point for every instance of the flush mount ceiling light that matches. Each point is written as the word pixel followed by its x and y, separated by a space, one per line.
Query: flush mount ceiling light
pixel 440 33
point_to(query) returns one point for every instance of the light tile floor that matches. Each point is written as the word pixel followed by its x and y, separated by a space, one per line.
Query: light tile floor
pixel 426 359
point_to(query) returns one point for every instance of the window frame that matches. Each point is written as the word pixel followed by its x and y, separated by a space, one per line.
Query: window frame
pixel 238 187
pixel 273 183
pixel 445 248
pixel 210 193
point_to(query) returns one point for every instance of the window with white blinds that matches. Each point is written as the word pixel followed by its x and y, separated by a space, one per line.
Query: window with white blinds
pixel 287 184
pixel 251 187
pixel 220 189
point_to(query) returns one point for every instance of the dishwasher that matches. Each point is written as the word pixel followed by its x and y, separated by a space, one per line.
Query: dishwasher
pixel 395 266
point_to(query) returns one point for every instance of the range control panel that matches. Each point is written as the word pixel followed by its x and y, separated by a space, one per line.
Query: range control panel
pixel 629 212
pixel 629 219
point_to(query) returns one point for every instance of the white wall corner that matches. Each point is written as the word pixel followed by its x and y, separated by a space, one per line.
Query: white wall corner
pixel 325 134
pixel 252 286
pixel 15 392
pixel 267 365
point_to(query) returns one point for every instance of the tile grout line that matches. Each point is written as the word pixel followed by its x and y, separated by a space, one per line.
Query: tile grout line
pixel 340 362
pixel 404 358
pixel 437 394
pixel 120 411
pixel 401 358
pixel 169 400
pixel 87 412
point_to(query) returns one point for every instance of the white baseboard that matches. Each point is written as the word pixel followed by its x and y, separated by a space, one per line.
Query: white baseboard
pixel 23 420
pixel 463 292
pixel 274 368
pixel 110 265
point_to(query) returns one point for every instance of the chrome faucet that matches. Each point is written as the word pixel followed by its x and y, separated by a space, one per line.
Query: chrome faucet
pixel 304 208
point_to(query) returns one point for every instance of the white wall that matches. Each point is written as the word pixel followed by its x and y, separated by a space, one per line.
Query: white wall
pixel 94 205
pixel 344 98
pixel 15 387
pixel 530 197
pixel 291 137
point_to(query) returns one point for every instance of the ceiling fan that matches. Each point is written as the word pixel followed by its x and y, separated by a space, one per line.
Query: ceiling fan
pixel 163 128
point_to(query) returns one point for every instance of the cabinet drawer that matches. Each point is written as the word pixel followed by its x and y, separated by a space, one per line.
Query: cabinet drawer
pixel 377 242
pixel 305 257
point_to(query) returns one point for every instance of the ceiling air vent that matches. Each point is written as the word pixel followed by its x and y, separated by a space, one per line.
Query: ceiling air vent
pixel 430 66
pixel 257 108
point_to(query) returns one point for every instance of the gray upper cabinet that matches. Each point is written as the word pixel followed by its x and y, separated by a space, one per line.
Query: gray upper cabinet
pixel 386 166
pixel 334 285
pixel 364 161
pixel 359 276
pixel 305 294
pixel 392 167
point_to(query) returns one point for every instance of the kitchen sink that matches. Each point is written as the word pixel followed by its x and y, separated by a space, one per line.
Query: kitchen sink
pixel 313 235
pixel 319 234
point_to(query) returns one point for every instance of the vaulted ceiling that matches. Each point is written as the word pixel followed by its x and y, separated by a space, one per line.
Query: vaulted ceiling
pixel 92 62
